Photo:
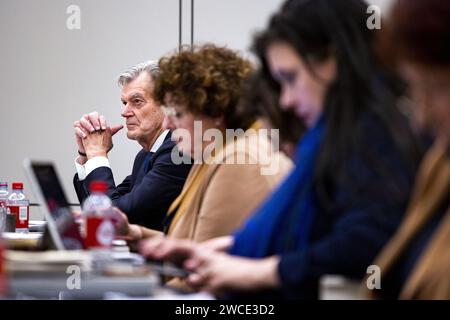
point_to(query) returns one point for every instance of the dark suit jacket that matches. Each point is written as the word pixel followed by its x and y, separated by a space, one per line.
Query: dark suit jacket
pixel 146 202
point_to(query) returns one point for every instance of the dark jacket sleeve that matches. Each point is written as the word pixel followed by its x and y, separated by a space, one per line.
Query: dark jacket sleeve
pixel 367 208
pixel 82 187
pixel 79 189
pixel 146 203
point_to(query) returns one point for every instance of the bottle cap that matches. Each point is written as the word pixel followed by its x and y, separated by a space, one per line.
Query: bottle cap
pixel 3 184
pixel 98 186
pixel 17 185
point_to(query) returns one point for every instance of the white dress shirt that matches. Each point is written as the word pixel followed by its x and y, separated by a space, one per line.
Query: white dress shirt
pixel 97 162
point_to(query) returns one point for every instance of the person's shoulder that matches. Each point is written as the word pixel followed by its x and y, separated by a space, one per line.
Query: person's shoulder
pixel 378 157
pixel 376 135
pixel 168 154
pixel 167 146
pixel 250 145
pixel 141 153
pixel 140 156
pixel 372 124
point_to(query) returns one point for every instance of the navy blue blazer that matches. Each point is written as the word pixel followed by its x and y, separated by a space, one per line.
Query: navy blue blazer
pixel 146 196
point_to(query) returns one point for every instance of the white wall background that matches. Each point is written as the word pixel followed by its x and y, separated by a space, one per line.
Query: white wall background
pixel 50 75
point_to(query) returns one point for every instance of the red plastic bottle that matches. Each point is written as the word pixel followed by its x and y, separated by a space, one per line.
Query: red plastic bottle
pixel 97 211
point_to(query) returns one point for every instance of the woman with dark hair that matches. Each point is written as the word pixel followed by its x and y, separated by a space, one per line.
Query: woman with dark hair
pixel 354 165
pixel 416 262
pixel 260 99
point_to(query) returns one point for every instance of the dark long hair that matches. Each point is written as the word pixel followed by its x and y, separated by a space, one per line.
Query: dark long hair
pixel 260 99
pixel 317 30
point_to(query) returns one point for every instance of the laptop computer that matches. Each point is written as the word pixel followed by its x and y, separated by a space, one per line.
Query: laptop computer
pixel 61 232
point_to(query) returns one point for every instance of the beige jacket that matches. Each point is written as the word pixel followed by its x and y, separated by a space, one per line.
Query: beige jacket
pixel 430 278
pixel 225 194
pixel 218 197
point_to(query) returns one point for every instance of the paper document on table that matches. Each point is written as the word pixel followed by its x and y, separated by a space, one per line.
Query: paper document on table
pixel 59 260
pixel 21 236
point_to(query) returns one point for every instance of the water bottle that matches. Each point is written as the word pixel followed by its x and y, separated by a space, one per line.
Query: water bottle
pixel 3 193
pixel 19 205
pixel 97 213
pixel 3 199
pixel 3 203
pixel 3 279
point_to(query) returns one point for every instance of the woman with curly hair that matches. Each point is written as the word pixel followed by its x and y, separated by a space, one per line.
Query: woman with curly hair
pixel 235 166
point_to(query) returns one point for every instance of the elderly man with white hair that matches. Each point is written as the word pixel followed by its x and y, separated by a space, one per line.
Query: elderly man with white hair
pixel 155 181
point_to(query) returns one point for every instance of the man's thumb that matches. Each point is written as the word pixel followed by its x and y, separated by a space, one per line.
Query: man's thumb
pixel 115 129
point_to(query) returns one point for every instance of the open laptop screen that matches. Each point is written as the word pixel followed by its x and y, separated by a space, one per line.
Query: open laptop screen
pixel 50 186
pixel 61 223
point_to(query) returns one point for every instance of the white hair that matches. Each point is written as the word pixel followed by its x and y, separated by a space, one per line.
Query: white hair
pixel 151 67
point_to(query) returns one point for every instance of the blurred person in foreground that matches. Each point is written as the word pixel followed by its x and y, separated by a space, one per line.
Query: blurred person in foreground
pixel 415 264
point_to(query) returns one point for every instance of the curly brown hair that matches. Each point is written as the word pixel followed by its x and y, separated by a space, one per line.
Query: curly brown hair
pixel 208 80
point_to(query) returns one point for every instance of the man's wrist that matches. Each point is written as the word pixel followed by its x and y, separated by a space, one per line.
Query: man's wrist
pixel 95 162
pixel 80 160
pixel 91 155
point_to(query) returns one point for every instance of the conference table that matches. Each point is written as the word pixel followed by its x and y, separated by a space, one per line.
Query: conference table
pixel 79 274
